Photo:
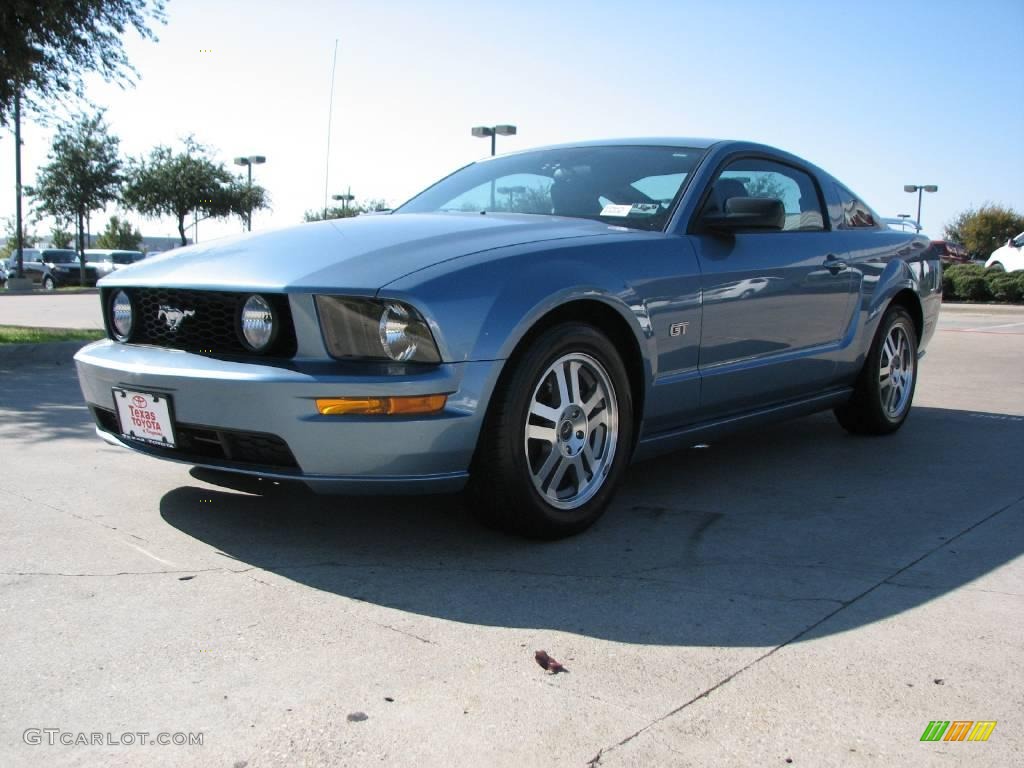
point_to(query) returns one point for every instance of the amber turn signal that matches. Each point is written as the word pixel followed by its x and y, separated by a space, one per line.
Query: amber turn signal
pixel 380 406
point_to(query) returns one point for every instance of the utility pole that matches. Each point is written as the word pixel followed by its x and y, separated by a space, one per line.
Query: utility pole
pixel 17 179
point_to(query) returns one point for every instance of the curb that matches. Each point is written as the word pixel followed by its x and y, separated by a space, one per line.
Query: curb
pixel 983 309
pixel 41 353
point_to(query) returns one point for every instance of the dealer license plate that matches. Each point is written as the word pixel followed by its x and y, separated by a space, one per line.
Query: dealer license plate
pixel 145 416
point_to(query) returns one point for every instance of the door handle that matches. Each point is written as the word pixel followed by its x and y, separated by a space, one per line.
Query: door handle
pixel 834 264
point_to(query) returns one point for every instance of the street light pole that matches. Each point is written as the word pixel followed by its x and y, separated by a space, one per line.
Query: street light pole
pixel 345 199
pixel 920 189
pixel 250 161
pixel 17 179
pixel 483 131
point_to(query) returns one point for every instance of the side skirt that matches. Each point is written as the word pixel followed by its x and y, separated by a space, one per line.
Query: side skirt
pixel 684 437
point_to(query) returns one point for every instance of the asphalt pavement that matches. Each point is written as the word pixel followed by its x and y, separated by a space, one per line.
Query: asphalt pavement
pixel 796 596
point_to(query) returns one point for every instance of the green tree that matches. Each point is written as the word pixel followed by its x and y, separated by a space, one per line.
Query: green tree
pixel 10 244
pixel 47 46
pixel 983 230
pixel 189 182
pixel 83 175
pixel 61 238
pixel 347 212
pixel 119 235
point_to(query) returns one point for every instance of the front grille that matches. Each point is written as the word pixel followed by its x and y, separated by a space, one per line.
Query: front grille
pixel 205 445
pixel 207 321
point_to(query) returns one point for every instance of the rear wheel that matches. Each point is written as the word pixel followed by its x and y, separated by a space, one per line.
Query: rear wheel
pixel 557 436
pixel 997 267
pixel 885 388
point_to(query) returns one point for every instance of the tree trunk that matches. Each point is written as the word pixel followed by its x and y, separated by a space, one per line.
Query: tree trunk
pixel 81 249
pixel 181 229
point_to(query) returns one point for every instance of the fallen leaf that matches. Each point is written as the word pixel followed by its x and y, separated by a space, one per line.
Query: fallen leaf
pixel 548 663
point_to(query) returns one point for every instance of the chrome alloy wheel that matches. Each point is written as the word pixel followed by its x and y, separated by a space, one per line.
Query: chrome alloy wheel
pixel 571 430
pixel 896 369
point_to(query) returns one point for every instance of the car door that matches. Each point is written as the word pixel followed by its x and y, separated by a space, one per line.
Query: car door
pixel 32 265
pixel 774 302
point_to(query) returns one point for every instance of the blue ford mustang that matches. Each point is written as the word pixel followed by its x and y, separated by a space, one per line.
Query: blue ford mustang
pixel 526 326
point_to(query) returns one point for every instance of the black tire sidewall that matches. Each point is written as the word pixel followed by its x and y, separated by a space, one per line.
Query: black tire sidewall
pixel 536 515
pixel 873 390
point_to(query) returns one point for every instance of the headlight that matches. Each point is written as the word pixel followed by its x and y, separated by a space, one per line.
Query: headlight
pixel 258 323
pixel 375 330
pixel 121 316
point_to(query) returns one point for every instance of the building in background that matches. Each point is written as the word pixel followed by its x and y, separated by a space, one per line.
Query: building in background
pixel 153 244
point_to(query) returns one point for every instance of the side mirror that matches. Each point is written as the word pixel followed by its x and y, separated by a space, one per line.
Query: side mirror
pixel 748 213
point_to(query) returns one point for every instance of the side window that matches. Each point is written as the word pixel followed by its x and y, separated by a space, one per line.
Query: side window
pixel 856 215
pixel 752 177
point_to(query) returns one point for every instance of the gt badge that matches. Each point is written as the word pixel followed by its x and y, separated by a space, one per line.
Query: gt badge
pixel 678 329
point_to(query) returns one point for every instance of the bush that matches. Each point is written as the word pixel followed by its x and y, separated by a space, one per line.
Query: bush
pixel 1005 286
pixel 971 287
pixel 960 282
pixel 972 282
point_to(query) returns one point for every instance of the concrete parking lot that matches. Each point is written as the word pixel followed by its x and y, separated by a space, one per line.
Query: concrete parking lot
pixel 793 597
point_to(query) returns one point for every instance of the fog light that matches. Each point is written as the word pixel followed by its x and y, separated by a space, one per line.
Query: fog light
pixel 258 323
pixel 381 406
pixel 121 316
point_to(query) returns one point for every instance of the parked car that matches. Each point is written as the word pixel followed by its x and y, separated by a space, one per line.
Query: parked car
pixel 528 344
pixel 50 268
pixel 1008 258
pixel 3 274
pixel 951 253
pixel 66 269
pixel 107 260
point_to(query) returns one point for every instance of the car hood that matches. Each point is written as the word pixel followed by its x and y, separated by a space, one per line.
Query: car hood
pixel 359 254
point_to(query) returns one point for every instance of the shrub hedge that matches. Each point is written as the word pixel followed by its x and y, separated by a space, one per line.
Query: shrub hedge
pixel 972 282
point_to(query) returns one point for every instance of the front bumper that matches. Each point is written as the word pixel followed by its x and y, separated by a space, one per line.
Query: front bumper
pixel 332 454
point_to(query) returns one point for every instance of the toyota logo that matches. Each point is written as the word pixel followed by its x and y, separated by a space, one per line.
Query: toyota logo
pixel 139 401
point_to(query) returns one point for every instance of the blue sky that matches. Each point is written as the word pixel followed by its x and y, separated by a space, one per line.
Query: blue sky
pixel 879 94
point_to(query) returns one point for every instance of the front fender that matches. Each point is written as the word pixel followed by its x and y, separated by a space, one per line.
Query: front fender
pixel 482 308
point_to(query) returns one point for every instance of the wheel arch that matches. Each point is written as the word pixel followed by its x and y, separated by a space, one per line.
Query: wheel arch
pixel 606 318
pixel 910 301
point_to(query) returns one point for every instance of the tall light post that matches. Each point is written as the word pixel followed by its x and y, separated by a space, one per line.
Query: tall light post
pixel 483 131
pixel 250 161
pixel 347 198
pixel 17 181
pixel 919 188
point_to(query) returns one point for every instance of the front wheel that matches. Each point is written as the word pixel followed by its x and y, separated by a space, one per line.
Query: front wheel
pixel 557 436
pixel 997 267
pixel 49 284
pixel 885 388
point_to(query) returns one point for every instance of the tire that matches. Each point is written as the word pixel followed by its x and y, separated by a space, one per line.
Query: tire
pixel 880 402
pixel 557 436
pixel 996 267
pixel 49 284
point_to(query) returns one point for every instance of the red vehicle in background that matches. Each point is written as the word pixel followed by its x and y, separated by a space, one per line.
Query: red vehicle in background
pixel 951 253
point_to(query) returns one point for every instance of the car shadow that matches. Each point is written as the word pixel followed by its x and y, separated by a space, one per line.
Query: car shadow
pixel 746 542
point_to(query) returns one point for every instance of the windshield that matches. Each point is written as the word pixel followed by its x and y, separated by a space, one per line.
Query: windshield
pixel 126 258
pixel 60 257
pixel 632 186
